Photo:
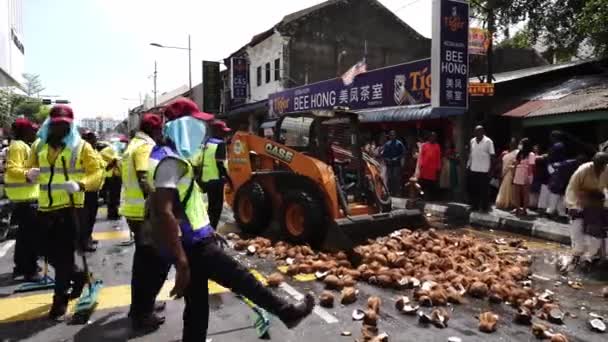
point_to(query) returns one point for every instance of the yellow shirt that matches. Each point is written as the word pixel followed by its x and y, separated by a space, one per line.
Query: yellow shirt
pixel 584 179
pixel 17 160
pixel 91 161
pixel 108 154
pixel 141 156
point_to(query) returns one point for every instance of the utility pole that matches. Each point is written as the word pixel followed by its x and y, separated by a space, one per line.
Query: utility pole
pixel 154 83
pixel 189 64
pixel 491 29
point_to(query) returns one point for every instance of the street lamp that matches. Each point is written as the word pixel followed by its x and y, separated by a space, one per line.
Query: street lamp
pixel 189 56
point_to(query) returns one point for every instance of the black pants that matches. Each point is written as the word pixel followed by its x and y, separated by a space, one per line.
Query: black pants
pixel 215 200
pixel 113 185
pixel 148 275
pixel 208 261
pixel 89 216
pixel 26 242
pixel 58 238
pixel 430 189
pixel 479 190
pixel 393 175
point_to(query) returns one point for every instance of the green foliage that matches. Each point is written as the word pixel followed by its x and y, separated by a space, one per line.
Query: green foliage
pixel 42 114
pixel 521 40
pixel 28 108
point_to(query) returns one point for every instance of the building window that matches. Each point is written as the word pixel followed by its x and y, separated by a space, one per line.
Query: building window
pixel 277 69
pixel 259 76
pixel 267 72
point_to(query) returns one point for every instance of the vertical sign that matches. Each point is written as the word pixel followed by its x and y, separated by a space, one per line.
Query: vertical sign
pixel 238 78
pixel 211 87
pixel 450 55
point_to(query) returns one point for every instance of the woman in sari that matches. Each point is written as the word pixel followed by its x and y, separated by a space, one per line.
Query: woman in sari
pixel 505 199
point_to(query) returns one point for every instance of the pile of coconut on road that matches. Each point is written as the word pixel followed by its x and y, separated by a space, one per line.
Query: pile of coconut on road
pixel 433 269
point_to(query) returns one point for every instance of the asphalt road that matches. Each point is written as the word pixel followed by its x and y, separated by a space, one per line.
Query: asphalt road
pixel 22 316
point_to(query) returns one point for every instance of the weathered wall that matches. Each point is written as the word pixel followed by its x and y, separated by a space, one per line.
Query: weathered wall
pixel 318 39
pixel 265 52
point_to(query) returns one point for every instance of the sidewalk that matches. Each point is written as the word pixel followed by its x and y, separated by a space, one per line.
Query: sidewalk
pixel 459 214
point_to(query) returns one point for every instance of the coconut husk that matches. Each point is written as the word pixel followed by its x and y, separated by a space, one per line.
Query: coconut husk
pixel 332 282
pixel 349 295
pixel 240 245
pixel 440 318
pixel 368 332
pixel 488 322
pixel 348 281
pixel 559 338
pixel 478 290
pixel 275 279
pixel 326 299
pixel 370 318
pixel 539 330
pixel 605 292
pixel 374 303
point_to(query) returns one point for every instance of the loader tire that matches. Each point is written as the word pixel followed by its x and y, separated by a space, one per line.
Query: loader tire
pixel 302 218
pixel 252 208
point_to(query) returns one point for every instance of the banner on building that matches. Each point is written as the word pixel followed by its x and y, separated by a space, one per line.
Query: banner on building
pixel 238 78
pixel 479 41
pixel 402 84
pixel 481 89
pixel 211 87
pixel 450 54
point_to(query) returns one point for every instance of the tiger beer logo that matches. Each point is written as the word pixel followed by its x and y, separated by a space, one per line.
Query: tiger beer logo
pixel 279 152
pixel 454 22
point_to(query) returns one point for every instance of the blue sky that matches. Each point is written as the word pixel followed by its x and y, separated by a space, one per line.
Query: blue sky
pixel 96 52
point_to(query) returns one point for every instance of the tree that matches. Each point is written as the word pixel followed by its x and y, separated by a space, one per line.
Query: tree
pixel 521 40
pixel 42 114
pixel 29 108
pixel 33 85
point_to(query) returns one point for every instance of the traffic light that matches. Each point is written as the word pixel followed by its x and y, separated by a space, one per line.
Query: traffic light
pixel 62 101
pixel 47 101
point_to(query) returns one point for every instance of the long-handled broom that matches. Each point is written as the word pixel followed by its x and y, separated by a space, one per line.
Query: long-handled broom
pixel 88 299
pixel 46 282
pixel 261 322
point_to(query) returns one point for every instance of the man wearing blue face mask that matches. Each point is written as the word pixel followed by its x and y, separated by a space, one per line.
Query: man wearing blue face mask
pixel 184 233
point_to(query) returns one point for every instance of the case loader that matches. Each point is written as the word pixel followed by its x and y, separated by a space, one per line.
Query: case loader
pixel 313 180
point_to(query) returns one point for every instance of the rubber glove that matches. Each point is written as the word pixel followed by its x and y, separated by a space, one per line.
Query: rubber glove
pixel 72 187
pixel 32 175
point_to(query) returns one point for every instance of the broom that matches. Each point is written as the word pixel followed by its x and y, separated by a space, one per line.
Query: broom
pixel 261 323
pixel 88 299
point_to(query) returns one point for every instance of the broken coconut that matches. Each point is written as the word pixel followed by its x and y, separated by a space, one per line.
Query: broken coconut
pixel 556 316
pixel 370 317
pixel 369 332
pixel 424 318
pixel 598 325
pixel 251 249
pixel 380 338
pixel 332 282
pixel 275 279
pixel 321 275
pixel 326 299
pixel 358 314
pixel 558 338
pixel 401 302
pixel 349 295
pixel 488 321
pixel 440 318
pixel 540 331
pixel 523 316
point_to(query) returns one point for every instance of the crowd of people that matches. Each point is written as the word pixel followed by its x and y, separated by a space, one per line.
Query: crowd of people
pixel 54 175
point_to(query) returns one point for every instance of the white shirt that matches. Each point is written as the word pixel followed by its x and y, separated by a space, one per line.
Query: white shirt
pixel 480 158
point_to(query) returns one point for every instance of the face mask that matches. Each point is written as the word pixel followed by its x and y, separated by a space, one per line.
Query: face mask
pixel 187 134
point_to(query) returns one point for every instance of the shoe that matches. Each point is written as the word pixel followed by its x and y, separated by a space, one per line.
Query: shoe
pixel 59 308
pixel 160 306
pixel 78 284
pixel 147 323
pixel 17 273
pixel 32 278
pixel 295 313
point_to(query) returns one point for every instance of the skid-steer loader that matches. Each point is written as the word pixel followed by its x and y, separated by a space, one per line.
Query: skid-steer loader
pixel 314 180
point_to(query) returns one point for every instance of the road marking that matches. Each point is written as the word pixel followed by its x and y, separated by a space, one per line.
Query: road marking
pixel 301 277
pixel 29 307
pixel 112 235
pixel 4 249
pixel 326 316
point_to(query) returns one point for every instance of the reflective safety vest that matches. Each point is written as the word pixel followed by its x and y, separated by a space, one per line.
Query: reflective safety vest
pixel 53 194
pixel 132 200
pixel 210 170
pixel 193 222
pixel 19 190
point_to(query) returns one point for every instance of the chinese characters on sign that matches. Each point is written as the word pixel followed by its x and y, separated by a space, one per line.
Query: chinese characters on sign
pixel 481 89
pixel 403 84
pixel 450 56
pixel 238 78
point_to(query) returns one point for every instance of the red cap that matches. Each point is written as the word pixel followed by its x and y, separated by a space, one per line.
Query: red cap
pixel 151 120
pixel 61 113
pixel 23 123
pixel 185 107
pixel 221 125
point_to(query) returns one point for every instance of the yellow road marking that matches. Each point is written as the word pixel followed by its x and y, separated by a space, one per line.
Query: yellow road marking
pixel 111 235
pixel 299 277
pixel 35 306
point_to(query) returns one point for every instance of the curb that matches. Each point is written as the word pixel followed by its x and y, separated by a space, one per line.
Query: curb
pixel 459 214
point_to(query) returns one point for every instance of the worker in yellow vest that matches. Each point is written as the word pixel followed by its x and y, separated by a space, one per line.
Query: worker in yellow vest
pixel 59 149
pixel 23 193
pixel 211 159
pixel 149 269
pixel 112 184
pixel 91 200
pixel 185 235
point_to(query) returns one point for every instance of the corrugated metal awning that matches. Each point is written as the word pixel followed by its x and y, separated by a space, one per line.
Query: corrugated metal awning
pixel 406 113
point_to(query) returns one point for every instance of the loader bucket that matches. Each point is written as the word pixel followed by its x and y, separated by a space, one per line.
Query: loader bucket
pixel 351 231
